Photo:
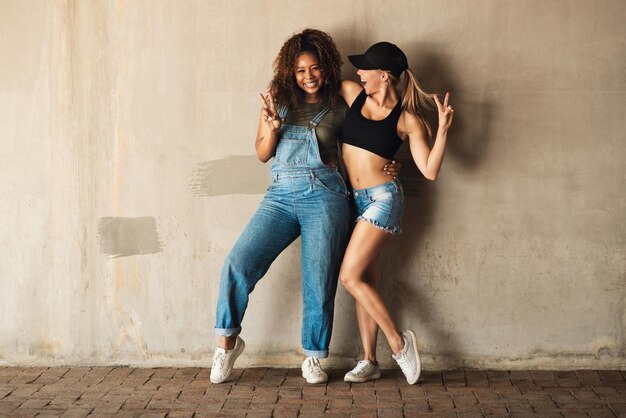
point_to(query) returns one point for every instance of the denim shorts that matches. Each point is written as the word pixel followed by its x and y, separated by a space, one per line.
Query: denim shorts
pixel 381 206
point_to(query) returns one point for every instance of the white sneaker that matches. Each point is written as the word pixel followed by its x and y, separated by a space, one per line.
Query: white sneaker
pixel 223 361
pixel 409 359
pixel 365 370
pixel 312 371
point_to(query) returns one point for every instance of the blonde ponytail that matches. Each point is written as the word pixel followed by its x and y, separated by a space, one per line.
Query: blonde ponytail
pixel 415 100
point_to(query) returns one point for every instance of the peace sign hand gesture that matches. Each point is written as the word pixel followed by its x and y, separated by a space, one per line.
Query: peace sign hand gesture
pixel 445 112
pixel 268 112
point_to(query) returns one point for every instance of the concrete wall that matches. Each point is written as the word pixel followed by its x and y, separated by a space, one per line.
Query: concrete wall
pixel 128 172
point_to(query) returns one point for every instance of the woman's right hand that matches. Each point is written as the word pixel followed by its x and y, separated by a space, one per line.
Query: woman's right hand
pixel 269 114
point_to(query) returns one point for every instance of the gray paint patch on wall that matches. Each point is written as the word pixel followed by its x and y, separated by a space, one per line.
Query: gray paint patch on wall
pixel 244 174
pixel 121 237
pixel 238 174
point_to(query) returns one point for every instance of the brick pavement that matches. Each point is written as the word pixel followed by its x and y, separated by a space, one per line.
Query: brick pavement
pixel 263 392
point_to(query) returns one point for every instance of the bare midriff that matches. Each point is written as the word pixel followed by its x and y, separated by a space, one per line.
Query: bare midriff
pixel 364 168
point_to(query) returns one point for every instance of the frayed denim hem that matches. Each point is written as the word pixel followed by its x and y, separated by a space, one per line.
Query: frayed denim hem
pixel 315 353
pixel 393 231
pixel 228 332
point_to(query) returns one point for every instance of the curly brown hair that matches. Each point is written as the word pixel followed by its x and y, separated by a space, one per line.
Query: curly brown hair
pixel 283 85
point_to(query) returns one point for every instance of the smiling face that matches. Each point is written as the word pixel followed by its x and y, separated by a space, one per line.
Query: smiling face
pixel 371 80
pixel 309 76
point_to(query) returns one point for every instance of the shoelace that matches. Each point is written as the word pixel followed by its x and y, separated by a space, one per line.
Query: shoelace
pixel 361 367
pixel 218 360
pixel 314 366
pixel 405 364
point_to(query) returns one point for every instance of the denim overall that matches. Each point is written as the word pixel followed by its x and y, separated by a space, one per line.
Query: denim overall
pixel 305 198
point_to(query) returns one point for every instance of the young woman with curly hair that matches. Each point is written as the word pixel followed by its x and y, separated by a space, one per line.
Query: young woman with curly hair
pixel 299 128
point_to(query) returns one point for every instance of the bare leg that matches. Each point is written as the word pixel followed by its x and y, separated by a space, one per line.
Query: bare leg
pixel 368 328
pixel 227 343
pixel 363 249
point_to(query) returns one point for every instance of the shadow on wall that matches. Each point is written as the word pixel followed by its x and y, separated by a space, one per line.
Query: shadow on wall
pixel 466 145
pixel 469 135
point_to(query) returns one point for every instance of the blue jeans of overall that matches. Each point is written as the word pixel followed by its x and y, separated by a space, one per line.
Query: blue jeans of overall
pixel 305 198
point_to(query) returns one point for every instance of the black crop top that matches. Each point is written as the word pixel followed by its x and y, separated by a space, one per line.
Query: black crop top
pixel 377 136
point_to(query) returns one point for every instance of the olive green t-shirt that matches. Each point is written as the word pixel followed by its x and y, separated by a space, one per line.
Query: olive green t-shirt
pixel 328 131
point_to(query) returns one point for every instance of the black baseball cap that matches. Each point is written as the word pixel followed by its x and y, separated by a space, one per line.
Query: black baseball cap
pixel 381 56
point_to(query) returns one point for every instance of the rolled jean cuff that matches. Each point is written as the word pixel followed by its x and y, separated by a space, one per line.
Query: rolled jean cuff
pixel 315 353
pixel 227 332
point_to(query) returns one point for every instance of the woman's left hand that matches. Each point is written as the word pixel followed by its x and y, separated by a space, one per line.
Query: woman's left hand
pixel 393 168
pixel 445 112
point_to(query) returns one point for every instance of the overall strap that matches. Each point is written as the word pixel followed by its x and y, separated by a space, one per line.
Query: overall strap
pixel 316 120
pixel 282 112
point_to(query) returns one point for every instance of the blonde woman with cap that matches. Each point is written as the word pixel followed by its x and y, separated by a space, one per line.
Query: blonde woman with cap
pixel 379 120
